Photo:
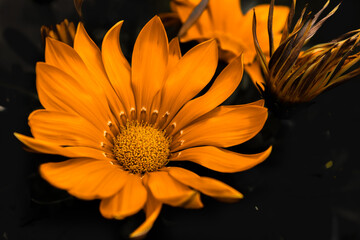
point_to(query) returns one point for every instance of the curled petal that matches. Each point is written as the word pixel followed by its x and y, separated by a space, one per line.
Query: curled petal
pixel 128 201
pixel 168 190
pixel 208 186
pixel 152 211
pixel 221 160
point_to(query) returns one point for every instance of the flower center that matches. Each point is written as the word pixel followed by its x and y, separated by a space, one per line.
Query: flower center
pixel 140 148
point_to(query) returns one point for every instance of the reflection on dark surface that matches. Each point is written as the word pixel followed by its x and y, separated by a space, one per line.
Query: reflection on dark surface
pixel 294 194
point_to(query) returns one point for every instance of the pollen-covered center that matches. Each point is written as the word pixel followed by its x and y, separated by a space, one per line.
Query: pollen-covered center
pixel 141 148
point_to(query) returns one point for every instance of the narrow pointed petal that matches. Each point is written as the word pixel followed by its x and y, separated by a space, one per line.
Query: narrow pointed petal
pixel 64 57
pixel 85 178
pixel 82 80
pixel 91 55
pixel 222 88
pixel 152 210
pixel 128 201
pixel 221 160
pixel 117 67
pixel 225 126
pixel 58 91
pixel 192 73
pixel 168 190
pixel 208 186
pixel 43 146
pixel 149 62
pixel 65 129
pixel 174 54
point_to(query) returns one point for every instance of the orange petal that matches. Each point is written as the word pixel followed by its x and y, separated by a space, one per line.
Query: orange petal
pixel 225 126
pixel 128 201
pixel 43 146
pixel 192 73
pixel 208 186
pixel 64 57
pixel 203 26
pixel 117 67
pixel 152 211
pixel 91 55
pixel 83 83
pixel 221 160
pixel 224 85
pixel 173 59
pixel 168 190
pixel 65 129
pixel 58 91
pixel 85 178
pixel 226 15
pixel 174 53
pixel 149 62
pixel 254 72
pixel 262 12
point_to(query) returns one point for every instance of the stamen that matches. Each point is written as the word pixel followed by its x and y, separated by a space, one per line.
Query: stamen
pixel 108 136
pixel 113 128
pixel 123 118
pixel 163 120
pixel 177 144
pixel 143 114
pixel 133 113
pixel 170 128
pixel 175 155
pixel 154 116
pixel 177 135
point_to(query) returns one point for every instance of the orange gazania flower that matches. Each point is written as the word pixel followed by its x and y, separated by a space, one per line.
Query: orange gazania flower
pixel 123 126
pixel 225 21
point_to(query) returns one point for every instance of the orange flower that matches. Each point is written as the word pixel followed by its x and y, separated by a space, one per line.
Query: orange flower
pixel 123 126
pixel 224 21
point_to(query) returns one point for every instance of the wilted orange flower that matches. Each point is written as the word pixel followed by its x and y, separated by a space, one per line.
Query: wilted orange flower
pixel 294 75
pixel 225 21
pixel 123 126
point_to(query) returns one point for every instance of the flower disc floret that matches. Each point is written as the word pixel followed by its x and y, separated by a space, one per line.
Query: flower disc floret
pixel 141 148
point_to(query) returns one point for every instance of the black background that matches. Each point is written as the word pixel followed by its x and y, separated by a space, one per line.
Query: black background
pixel 292 195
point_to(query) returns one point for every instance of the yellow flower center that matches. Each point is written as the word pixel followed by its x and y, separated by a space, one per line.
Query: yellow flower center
pixel 141 148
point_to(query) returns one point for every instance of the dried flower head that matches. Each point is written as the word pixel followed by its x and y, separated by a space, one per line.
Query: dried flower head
pixel 294 75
